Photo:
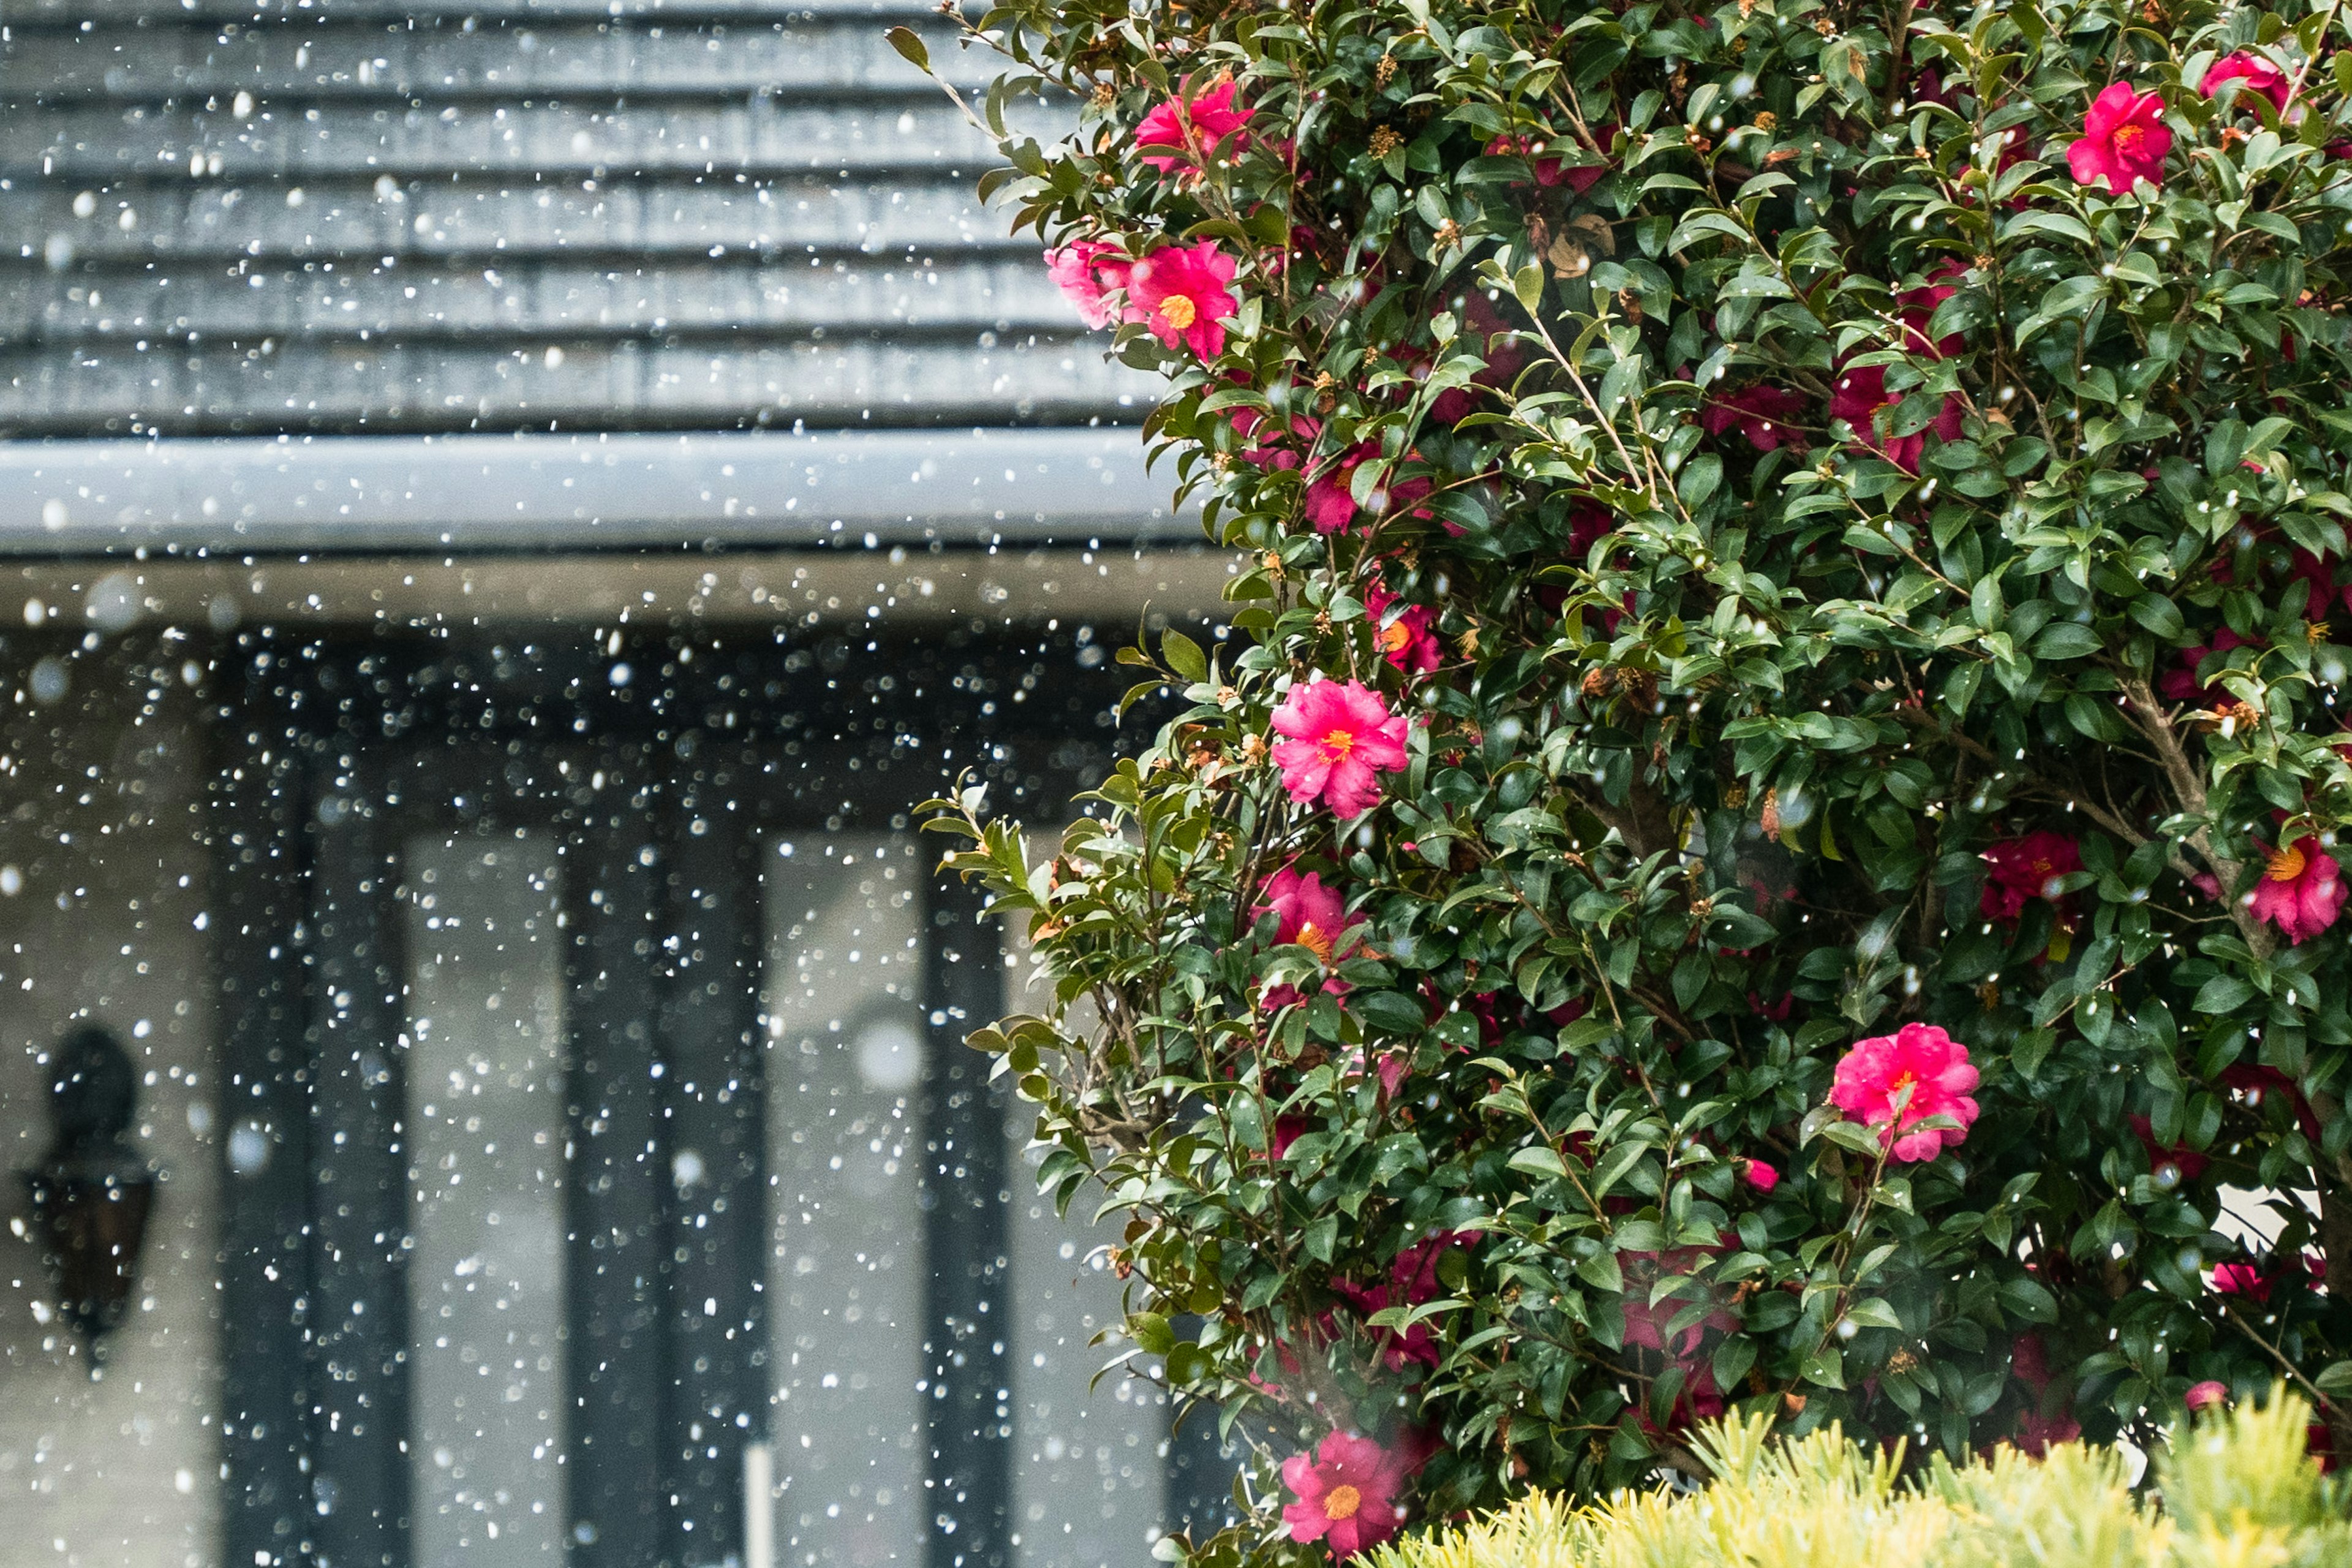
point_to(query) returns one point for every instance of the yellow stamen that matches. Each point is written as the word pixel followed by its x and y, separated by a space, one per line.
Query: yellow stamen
pixel 1341 1502
pixel 1314 941
pixel 1179 309
pixel 1337 743
pixel 1395 636
pixel 2285 864
pixel 2128 139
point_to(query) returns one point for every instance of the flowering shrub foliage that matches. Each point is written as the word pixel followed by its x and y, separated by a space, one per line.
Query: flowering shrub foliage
pixel 1771 840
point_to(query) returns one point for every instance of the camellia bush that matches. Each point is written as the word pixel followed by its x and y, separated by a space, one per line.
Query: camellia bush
pixel 1769 843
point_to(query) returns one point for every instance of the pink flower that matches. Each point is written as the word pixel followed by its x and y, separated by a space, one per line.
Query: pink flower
pixel 2207 1394
pixel 1310 915
pixel 1762 414
pixel 1481 329
pixel 1182 292
pixel 2252 1084
pixel 1280 447
pixel 1347 1494
pixel 1645 1325
pixel 1330 502
pixel 1412 1279
pixel 1919 1059
pixel 2301 890
pixel 2318 572
pixel 2187 1164
pixel 2023 869
pixel 1213 117
pixel 1861 396
pixel 1553 171
pixel 1919 308
pixel 1408 638
pixel 1341 738
pixel 1762 1176
pixel 2124 141
pixel 1287 1130
pixel 2258 74
pixel 2180 685
pixel 2036 1432
pixel 2030 1360
pixel 2248 1280
pixel 1086 270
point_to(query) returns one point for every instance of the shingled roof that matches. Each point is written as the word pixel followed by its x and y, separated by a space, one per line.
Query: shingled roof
pixel 350 217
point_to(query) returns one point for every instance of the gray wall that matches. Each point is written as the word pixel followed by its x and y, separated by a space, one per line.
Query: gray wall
pixel 101 885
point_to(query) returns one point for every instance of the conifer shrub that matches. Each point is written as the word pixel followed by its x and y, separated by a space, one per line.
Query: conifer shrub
pixel 1767 841
pixel 2241 1488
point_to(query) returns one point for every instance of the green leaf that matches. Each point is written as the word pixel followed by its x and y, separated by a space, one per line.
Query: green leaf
pixel 1150 1330
pixel 1600 1271
pixel 2335 1377
pixel 1613 1169
pixel 1183 656
pixel 1541 1160
pixel 2223 995
pixel 2029 1299
pixel 1388 1012
pixel 911 47
pixel 1826 1366
pixel 1733 1356
pixel 1873 1313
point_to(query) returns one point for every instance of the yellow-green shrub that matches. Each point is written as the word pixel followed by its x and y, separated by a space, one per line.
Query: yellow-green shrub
pixel 2239 1492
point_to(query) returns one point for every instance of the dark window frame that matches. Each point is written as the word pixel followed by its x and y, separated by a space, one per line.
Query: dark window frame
pixel 733 729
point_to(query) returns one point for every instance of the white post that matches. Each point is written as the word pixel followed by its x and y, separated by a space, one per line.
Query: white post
pixel 758 1505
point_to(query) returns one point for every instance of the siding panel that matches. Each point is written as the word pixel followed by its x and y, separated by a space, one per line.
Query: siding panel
pixel 305 216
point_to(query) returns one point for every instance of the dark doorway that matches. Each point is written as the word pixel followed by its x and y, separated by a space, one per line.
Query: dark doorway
pixel 598 1140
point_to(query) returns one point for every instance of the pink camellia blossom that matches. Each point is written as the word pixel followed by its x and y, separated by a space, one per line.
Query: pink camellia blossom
pixel 1482 329
pixel 2180 685
pixel 1310 915
pixel 1408 640
pixel 2241 1279
pixel 1762 1176
pixel 1861 396
pixel 1330 501
pixel 1762 414
pixel 2301 889
pixel 2028 1363
pixel 1182 292
pixel 1340 738
pixel 1287 1130
pixel 2205 1395
pixel 2036 1432
pixel 1086 270
pixel 1553 170
pixel 2317 573
pixel 1646 1325
pixel 1347 1494
pixel 2258 74
pixel 2022 869
pixel 1412 1279
pixel 1926 1061
pixel 2184 1164
pixel 1211 117
pixel 2028 1359
pixel 2124 141
pixel 1918 310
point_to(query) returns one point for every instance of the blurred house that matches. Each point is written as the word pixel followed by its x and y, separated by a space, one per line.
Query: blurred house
pixel 505 512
